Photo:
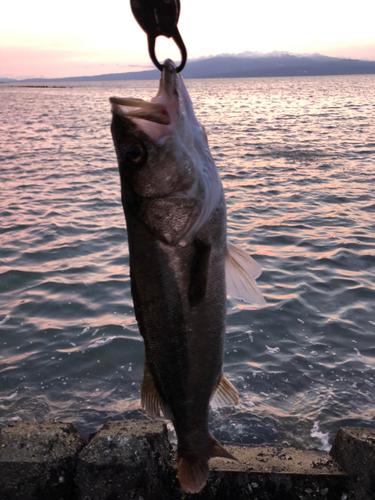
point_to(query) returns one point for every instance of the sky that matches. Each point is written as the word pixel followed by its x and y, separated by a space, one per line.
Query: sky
pixel 40 38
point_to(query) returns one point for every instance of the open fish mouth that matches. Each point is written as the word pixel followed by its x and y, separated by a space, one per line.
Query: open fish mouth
pixel 163 109
pixel 131 107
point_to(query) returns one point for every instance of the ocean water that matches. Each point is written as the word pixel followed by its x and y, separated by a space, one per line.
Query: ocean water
pixel 297 160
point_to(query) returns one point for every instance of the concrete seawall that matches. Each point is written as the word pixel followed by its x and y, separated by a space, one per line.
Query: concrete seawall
pixel 133 459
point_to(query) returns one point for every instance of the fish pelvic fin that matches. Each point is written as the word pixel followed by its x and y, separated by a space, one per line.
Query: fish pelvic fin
pixel 240 274
pixel 151 401
pixel 193 471
pixel 226 394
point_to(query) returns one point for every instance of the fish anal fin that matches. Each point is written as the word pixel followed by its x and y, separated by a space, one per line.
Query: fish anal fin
pixel 240 273
pixel 226 394
pixel 150 399
pixel 193 473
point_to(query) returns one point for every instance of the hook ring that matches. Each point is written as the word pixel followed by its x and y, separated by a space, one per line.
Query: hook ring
pixel 151 40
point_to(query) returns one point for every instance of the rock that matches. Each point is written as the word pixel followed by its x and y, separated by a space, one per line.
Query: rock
pixel 133 460
pixel 37 461
pixel 126 460
pixel 354 450
pixel 274 473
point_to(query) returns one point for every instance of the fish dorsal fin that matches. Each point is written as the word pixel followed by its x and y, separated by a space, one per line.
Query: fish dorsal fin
pixel 240 273
pixel 226 394
pixel 151 401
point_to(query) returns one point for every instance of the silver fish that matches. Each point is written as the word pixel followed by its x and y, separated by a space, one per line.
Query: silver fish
pixel 180 261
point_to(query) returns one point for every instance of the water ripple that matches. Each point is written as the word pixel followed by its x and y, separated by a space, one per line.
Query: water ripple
pixel 296 156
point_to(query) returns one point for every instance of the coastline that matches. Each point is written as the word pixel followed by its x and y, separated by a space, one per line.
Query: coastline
pixel 133 459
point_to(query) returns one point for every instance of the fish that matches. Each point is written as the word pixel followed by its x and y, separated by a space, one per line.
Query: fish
pixel 181 265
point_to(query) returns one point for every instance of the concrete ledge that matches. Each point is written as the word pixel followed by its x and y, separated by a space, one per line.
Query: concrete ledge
pixel 354 449
pixel 133 460
pixel 38 461
pixel 124 460
pixel 276 473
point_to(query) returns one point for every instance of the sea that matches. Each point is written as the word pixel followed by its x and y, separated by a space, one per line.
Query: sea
pixel 297 160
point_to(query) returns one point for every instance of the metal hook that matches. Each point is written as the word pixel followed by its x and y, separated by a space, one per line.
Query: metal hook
pixel 159 18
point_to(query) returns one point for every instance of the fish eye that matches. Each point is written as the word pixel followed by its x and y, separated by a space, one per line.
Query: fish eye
pixel 133 153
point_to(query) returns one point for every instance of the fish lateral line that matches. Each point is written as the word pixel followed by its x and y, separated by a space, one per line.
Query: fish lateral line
pixel 199 272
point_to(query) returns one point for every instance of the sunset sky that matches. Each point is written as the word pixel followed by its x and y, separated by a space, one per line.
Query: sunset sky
pixel 40 38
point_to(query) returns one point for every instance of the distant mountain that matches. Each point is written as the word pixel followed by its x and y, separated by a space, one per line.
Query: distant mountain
pixel 277 64
pixel 6 80
pixel 246 64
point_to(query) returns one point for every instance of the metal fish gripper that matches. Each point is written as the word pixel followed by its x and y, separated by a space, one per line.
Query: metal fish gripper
pixel 159 18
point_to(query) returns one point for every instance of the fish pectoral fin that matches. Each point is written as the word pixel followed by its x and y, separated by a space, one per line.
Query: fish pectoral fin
pixel 240 273
pixel 226 394
pixel 244 260
pixel 151 401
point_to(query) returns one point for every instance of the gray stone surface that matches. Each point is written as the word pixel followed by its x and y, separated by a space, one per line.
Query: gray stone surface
pixel 274 473
pixel 354 450
pixel 37 461
pixel 125 460
pixel 133 460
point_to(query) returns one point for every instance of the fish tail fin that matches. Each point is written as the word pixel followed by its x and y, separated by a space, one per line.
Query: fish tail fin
pixel 193 471
pixel 219 451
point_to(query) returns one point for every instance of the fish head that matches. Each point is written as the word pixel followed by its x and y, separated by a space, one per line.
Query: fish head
pixel 163 156
pixel 150 140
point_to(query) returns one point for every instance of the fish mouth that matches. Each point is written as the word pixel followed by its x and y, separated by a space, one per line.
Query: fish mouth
pixel 160 110
pixel 168 87
pixel 130 107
